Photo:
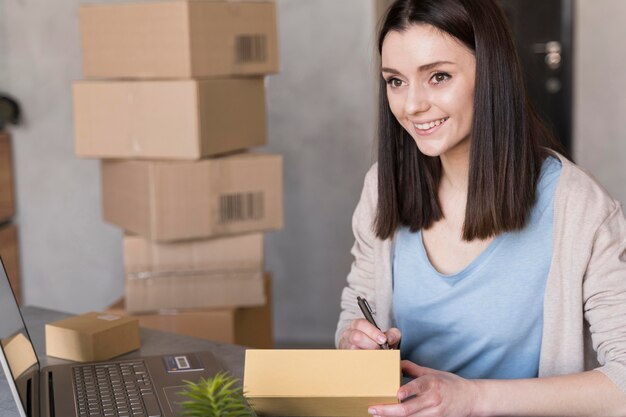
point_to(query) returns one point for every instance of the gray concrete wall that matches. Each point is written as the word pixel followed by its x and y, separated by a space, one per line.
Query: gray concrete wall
pixel 600 92
pixel 321 117
pixel 321 109
pixel 70 259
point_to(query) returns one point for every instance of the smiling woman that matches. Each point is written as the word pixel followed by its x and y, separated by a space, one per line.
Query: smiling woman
pixel 430 88
pixel 482 83
pixel 499 264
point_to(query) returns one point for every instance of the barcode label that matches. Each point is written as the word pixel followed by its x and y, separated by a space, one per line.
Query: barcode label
pixel 181 362
pixel 250 48
pixel 238 207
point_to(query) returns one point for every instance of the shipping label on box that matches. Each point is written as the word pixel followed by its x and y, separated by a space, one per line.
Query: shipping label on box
pixel 247 326
pixel 171 201
pixel 320 382
pixel 182 39
pixel 92 337
pixel 194 290
pixel 175 119
pixel 10 258
pixel 7 205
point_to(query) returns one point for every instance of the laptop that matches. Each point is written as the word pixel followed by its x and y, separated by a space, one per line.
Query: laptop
pixel 138 387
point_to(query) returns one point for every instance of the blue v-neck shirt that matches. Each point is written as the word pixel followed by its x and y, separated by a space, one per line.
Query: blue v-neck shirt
pixel 485 321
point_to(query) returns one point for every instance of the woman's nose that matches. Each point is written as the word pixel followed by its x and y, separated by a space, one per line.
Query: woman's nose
pixel 416 101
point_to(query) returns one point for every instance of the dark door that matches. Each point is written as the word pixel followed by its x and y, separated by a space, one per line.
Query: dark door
pixel 543 33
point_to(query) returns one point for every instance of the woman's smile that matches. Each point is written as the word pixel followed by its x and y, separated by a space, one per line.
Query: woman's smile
pixel 426 128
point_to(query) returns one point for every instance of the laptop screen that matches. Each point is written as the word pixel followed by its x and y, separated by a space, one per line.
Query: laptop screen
pixel 19 360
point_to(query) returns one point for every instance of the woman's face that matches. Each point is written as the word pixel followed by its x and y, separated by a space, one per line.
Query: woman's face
pixel 430 87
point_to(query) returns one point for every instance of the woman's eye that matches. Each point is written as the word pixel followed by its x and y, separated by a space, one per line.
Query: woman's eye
pixel 440 77
pixel 394 82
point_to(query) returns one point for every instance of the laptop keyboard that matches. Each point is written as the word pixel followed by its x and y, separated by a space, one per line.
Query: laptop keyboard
pixel 115 390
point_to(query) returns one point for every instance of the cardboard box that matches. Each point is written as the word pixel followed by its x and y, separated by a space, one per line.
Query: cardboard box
pixel 169 201
pixel 7 206
pixel 320 382
pixel 10 258
pixel 92 337
pixel 143 257
pixel 176 119
pixel 182 290
pixel 247 326
pixel 179 39
pixel 19 353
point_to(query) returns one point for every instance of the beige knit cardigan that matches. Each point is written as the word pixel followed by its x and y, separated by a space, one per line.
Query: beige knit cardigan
pixel 584 324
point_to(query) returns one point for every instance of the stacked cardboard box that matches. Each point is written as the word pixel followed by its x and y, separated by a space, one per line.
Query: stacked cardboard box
pixel 8 230
pixel 174 96
pixel 248 326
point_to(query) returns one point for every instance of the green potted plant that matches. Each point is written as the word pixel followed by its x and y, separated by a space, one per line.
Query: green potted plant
pixel 218 396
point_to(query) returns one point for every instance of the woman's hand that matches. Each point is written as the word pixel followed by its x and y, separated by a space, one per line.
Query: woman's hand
pixel 434 394
pixel 363 335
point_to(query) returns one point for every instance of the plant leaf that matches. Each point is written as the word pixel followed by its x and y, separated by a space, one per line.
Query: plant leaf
pixel 218 396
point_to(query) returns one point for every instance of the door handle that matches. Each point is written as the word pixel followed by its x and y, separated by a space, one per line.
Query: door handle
pixel 552 50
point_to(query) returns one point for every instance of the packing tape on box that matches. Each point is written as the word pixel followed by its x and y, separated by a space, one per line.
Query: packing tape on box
pixel 144 275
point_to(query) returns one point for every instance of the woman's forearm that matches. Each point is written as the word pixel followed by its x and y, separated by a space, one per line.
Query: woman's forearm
pixel 585 394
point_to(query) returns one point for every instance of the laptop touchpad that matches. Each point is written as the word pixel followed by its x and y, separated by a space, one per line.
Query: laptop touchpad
pixel 174 398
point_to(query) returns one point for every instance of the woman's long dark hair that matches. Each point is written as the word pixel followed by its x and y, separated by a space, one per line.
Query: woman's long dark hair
pixel 508 140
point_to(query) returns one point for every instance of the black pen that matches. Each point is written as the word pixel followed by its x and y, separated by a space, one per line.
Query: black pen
pixel 367 312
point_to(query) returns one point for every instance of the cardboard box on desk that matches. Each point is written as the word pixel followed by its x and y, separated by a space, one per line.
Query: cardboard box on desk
pixel 10 258
pixel 144 257
pixel 7 206
pixel 179 39
pixel 19 353
pixel 175 119
pixel 92 337
pixel 247 326
pixel 195 289
pixel 170 201
pixel 320 382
